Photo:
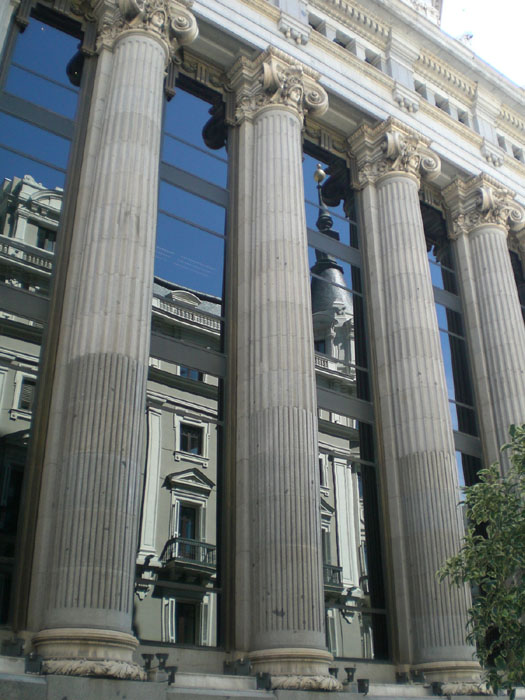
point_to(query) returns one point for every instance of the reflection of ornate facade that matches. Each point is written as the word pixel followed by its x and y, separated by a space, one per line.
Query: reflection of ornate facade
pixel 233 407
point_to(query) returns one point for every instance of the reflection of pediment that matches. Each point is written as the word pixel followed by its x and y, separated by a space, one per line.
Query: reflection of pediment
pixel 48 199
pixel 185 297
pixel 190 481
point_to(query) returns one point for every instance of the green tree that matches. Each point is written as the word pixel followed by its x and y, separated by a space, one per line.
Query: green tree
pixel 492 562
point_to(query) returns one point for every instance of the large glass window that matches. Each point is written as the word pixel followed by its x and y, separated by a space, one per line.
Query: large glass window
pixel 352 570
pixel 453 342
pixel 178 574
pixel 336 281
pixel 37 107
pixel 192 215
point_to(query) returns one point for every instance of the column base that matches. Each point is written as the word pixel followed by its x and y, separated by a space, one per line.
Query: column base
pixel 296 669
pixel 457 677
pixel 88 652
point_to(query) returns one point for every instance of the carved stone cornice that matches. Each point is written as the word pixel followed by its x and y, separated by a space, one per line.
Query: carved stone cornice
pixel 169 20
pixel 444 76
pixel 273 79
pixel 390 147
pixel 478 202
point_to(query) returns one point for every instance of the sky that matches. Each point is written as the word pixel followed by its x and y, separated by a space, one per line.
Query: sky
pixel 497 28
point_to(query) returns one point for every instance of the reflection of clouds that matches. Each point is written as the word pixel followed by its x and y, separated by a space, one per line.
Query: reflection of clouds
pixel 190 264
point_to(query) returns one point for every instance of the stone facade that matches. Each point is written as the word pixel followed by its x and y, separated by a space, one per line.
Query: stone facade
pixel 237 405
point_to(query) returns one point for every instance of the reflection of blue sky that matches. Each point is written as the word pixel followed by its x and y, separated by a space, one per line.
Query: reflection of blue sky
pixel 35 151
pixel 188 254
pixel 47 51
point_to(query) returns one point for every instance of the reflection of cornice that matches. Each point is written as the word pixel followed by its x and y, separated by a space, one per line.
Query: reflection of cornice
pixel 444 76
pixel 356 18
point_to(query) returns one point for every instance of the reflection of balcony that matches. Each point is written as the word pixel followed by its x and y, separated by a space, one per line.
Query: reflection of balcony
pixel 189 560
pixel 332 578
pixel 333 366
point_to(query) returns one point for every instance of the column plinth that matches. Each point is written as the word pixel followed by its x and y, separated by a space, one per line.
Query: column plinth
pixel 418 467
pixel 86 542
pixel 480 213
pixel 280 619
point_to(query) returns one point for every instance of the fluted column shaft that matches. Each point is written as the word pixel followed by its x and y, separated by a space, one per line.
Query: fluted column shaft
pixel 480 214
pixel 279 576
pixel 419 476
pixel 86 543
pixel 96 426
pixel 284 494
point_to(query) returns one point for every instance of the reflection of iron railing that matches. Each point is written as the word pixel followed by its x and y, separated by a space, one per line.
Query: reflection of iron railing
pixel 186 314
pixel 26 253
pixel 334 365
pixel 332 575
pixel 183 549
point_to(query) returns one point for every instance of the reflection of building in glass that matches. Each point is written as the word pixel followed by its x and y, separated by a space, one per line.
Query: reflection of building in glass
pixel 235 408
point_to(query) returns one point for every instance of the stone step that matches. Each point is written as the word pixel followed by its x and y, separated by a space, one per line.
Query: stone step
pixel 12 664
pixel 212 681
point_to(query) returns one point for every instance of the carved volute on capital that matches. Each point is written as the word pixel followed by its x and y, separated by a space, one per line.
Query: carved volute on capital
pixel 390 147
pixel 273 79
pixel 169 20
pixel 480 201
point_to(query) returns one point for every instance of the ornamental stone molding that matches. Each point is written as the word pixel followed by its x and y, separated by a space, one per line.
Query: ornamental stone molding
pixel 273 79
pixel 494 155
pixel 326 683
pixel 169 20
pixel 406 99
pixel 391 147
pixel 478 202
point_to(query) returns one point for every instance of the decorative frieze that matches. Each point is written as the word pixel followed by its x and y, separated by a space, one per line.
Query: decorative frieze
pixel 388 148
pixel 274 79
pixel 328 140
pixel 479 201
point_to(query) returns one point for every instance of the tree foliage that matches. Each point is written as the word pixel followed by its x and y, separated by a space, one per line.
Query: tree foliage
pixel 492 561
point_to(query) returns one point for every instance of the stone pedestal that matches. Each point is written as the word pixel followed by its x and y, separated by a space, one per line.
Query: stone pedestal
pixel 480 214
pixel 280 615
pixel 86 544
pixel 418 467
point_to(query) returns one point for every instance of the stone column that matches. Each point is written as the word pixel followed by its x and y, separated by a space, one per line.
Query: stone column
pixel 279 602
pixel 86 542
pixel 480 214
pixel 418 468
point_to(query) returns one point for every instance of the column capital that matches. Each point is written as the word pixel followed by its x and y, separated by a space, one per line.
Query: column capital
pixel 391 147
pixel 273 79
pixel 478 202
pixel 168 20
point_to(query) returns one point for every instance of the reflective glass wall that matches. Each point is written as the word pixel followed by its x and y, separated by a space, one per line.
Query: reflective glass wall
pixel 38 103
pixel 356 626
pixel 178 573
pixel 453 345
